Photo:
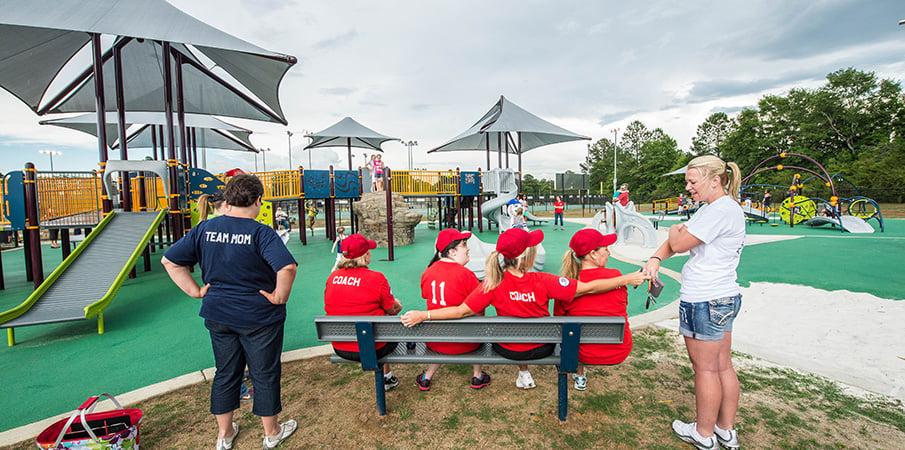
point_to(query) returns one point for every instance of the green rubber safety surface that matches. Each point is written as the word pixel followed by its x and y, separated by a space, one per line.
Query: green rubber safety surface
pixel 153 332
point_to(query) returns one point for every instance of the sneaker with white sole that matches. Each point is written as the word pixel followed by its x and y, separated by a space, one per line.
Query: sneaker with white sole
pixel 688 432
pixel 730 443
pixel 390 383
pixel 286 429
pixel 525 381
pixel 581 382
pixel 227 443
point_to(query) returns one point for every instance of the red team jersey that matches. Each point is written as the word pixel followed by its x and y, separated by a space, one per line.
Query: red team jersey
pixel 526 296
pixel 357 292
pixel 612 303
pixel 447 284
pixel 558 207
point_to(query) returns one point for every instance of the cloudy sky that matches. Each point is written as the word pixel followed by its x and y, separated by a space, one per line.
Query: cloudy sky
pixel 427 70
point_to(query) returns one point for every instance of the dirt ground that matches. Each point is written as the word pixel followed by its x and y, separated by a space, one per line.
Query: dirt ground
pixel 626 406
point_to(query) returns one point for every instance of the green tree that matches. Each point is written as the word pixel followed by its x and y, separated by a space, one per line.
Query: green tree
pixel 711 135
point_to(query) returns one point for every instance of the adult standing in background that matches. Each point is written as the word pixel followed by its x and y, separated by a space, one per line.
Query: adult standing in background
pixel 247 274
pixel 710 297
pixel 558 210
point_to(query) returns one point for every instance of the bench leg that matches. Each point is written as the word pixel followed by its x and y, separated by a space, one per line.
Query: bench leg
pixel 381 392
pixel 563 395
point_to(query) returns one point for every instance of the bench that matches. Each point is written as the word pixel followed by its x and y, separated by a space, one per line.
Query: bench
pixel 569 332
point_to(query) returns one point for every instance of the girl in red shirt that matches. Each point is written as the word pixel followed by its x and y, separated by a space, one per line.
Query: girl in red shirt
pixel 447 282
pixel 355 290
pixel 515 292
pixel 586 260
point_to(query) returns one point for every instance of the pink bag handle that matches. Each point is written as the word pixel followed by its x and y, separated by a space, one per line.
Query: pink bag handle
pixel 86 408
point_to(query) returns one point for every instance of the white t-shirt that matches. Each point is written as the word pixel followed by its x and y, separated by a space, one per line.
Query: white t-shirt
pixel 710 272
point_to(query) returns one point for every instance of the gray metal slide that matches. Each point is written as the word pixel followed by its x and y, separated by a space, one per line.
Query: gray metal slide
pixel 88 279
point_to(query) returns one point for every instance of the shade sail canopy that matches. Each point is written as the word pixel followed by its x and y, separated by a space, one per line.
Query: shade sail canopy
pixel 213 132
pixel 40 36
pixel 348 133
pixel 206 138
pixel 505 117
pixel 680 171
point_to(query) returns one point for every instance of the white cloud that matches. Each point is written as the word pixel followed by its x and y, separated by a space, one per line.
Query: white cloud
pixel 426 71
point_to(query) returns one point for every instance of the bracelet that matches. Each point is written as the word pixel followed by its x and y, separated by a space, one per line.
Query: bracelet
pixel 428 315
pixel 658 258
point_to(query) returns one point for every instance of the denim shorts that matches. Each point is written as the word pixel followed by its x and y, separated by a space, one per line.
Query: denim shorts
pixel 707 321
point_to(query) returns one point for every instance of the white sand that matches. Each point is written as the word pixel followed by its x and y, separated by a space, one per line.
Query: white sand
pixel 855 338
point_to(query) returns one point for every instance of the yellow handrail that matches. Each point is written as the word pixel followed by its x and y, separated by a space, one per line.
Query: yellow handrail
pixel 424 182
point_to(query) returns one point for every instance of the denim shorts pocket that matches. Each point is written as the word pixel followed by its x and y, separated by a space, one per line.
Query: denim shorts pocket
pixel 722 310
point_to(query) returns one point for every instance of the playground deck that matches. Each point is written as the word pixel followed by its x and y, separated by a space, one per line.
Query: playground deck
pixel 153 332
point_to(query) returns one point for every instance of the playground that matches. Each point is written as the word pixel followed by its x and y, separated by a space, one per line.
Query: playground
pixel 56 365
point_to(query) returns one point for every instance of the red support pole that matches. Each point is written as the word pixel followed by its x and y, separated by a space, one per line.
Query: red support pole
pixel 32 226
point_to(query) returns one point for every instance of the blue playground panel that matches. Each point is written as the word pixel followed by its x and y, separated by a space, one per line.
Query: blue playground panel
pixel 15 198
pixel 470 183
pixel 346 183
pixel 203 182
pixel 317 183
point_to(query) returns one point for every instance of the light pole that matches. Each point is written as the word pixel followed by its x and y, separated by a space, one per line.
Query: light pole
pixel 50 153
pixel 615 147
pixel 289 137
pixel 306 133
pixel 264 157
pixel 410 144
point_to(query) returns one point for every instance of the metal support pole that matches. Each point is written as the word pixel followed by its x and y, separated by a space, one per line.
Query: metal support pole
pixel 121 126
pixel 388 187
pixel 32 224
pixel 100 108
pixel 172 163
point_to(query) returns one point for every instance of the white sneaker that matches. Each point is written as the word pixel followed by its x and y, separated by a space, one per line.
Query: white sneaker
pixel 227 443
pixel 286 429
pixel 581 382
pixel 730 443
pixel 688 432
pixel 525 381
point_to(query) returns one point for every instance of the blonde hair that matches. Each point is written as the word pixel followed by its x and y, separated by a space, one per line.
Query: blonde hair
pixel 494 270
pixel 206 206
pixel 353 263
pixel 570 265
pixel 729 173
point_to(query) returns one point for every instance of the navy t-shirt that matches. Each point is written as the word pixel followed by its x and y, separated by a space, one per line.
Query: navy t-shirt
pixel 238 257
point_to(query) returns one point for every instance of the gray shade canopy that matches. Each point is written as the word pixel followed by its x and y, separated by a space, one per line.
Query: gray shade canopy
pixel 680 171
pixel 348 133
pixel 503 118
pixel 144 88
pixel 212 132
pixel 40 36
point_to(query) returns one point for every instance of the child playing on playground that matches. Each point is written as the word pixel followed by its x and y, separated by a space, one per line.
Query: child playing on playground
pixel 311 208
pixel 518 221
pixel 337 246
pixel 378 171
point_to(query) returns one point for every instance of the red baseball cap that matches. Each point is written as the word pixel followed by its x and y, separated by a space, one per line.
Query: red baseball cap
pixel 356 245
pixel 588 239
pixel 514 241
pixel 448 235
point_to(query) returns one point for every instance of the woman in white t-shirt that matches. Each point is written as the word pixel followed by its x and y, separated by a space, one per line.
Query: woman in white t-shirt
pixel 710 297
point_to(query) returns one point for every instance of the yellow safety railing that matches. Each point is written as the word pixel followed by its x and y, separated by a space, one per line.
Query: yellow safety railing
pixel 155 193
pixel 278 184
pixel 665 204
pixel 424 182
pixel 64 194
pixel 4 191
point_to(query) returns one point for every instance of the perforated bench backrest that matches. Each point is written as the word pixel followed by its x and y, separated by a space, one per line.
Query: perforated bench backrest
pixel 594 330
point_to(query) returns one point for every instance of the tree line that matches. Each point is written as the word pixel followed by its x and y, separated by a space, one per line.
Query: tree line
pixel 853 125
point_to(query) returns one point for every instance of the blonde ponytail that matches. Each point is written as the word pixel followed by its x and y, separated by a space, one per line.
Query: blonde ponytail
pixel 570 265
pixel 735 180
pixel 204 207
pixel 493 273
